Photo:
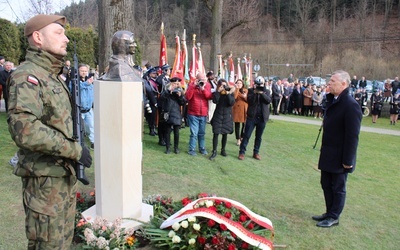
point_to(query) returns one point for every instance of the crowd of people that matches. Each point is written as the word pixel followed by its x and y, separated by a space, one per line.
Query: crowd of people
pixel 170 105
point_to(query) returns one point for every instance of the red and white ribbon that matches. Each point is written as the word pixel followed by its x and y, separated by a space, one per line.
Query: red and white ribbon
pixel 192 209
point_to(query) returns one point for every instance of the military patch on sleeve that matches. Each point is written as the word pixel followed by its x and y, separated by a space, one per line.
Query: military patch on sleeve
pixel 33 80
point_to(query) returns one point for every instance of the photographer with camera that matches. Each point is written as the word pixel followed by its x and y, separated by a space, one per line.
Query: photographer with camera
pixel 222 122
pixel 197 95
pixel 170 102
pixel 258 99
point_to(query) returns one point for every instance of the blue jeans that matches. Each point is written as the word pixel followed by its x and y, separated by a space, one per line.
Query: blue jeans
pixel 259 125
pixel 88 119
pixel 197 126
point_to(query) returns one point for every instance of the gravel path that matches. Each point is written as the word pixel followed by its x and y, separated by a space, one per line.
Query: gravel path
pixel 318 123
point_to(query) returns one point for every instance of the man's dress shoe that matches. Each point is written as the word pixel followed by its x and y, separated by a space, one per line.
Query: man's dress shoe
pixel 328 222
pixel 319 217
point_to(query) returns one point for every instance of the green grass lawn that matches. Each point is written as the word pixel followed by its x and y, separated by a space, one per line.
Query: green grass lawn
pixel 283 186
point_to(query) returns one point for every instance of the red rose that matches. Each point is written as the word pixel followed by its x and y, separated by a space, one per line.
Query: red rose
pixel 233 235
pixel 244 245
pixel 78 195
pixel 214 240
pixel 228 215
pixel 228 205
pixel 202 195
pixel 250 226
pixel 202 240
pixel 213 208
pixel 231 247
pixel 186 201
pixel 242 218
pixel 218 202
pixel 223 227
pixel 210 223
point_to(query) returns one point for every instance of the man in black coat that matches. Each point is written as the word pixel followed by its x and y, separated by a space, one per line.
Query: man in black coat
pixel 259 99
pixel 341 126
pixel 4 74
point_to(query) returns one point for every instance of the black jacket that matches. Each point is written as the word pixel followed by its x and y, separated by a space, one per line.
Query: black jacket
pixel 258 101
pixel 222 121
pixel 171 103
pixel 341 127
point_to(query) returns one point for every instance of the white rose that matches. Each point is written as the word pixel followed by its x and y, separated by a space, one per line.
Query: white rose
pixel 209 203
pixel 192 241
pixel 176 239
pixel 192 219
pixel 171 234
pixel 196 226
pixel 185 224
pixel 176 226
pixel 201 203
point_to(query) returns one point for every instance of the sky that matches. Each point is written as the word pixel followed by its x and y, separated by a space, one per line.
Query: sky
pixel 17 10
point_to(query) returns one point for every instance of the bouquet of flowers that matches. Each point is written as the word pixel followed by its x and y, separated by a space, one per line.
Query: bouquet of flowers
pixel 102 234
pixel 207 222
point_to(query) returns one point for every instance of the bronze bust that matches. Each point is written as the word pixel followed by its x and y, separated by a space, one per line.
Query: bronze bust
pixel 121 66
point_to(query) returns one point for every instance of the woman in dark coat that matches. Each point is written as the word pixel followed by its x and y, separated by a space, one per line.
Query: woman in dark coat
pixel 394 109
pixel 376 105
pixel 222 122
pixel 171 101
pixel 297 98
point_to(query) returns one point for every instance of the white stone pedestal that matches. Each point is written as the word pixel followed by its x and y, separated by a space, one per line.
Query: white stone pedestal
pixel 118 153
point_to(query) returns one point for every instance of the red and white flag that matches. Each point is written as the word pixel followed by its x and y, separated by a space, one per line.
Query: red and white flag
pixel 163 48
pixel 239 70
pixel 231 66
pixel 178 68
pixel 200 64
pixel 193 64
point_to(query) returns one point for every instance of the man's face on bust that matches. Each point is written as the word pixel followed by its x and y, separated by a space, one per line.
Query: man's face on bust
pixel 131 44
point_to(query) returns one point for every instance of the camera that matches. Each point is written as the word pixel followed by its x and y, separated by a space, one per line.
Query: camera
pixel 201 83
pixel 147 107
pixel 227 88
pixel 176 90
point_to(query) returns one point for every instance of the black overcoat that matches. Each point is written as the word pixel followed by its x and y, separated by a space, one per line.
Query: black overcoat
pixel 222 121
pixel 341 127
pixel 171 103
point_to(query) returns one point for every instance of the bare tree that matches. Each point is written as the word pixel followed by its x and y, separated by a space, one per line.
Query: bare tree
pixel 304 9
pixel 40 7
pixel 114 15
pixel 226 16
pixel 278 14
pixel 216 36
pixel 148 22
pixel 362 15
pixel 388 8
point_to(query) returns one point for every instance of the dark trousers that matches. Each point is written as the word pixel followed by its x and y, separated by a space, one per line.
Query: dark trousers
pixel 334 187
pixel 239 132
pixel 284 105
pixel 223 141
pixel 168 130
pixel 275 104
pixel 259 125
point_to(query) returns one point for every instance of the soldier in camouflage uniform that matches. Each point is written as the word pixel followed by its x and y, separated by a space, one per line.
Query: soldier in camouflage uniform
pixel 40 123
